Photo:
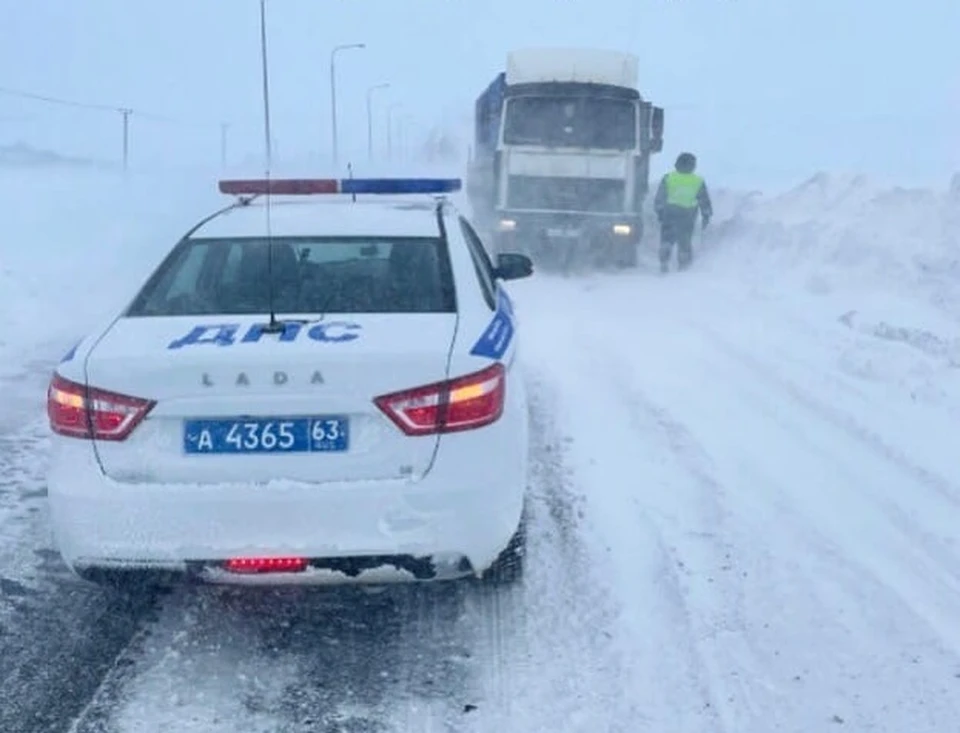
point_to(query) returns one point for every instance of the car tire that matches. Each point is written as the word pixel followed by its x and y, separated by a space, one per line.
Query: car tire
pixel 507 569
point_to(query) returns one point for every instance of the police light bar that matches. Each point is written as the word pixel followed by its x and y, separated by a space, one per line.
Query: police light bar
pixel 313 186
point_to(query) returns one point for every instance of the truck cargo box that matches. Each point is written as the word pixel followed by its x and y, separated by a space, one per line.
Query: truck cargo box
pixel 592 66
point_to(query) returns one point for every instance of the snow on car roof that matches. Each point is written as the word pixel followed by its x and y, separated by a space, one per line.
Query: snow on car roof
pixel 305 218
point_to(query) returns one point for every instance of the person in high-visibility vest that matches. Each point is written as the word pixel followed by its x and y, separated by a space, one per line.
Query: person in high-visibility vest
pixel 680 194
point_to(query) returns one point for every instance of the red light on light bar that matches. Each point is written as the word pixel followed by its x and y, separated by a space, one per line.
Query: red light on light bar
pixel 281 187
pixel 252 565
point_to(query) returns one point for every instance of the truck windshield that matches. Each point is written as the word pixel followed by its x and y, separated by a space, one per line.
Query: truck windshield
pixel 559 122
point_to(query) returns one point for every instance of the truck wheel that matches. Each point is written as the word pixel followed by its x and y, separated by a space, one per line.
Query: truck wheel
pixel 628 256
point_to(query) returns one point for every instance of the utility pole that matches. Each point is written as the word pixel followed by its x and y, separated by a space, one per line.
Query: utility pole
pixel 370 92
pixel 126 136
pixel 333 95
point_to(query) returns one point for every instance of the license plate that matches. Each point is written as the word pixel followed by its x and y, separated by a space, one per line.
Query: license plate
pixel 564 233
pixel 324 434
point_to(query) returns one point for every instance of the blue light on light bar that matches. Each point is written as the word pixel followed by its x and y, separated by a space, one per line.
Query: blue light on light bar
pixel 399 185
pixel 321 186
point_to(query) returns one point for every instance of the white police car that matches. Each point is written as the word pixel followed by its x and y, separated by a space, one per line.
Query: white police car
pixel 338 401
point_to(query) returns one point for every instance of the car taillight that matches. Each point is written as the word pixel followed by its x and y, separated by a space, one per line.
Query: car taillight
pixel 86 412
pixel 464 403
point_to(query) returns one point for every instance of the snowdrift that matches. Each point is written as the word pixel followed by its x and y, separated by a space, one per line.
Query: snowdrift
pixel 839 232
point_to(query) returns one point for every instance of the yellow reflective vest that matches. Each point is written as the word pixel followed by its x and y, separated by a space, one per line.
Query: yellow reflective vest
pixel 683 189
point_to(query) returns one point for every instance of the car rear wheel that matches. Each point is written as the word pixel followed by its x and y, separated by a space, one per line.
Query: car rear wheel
pixel 507 569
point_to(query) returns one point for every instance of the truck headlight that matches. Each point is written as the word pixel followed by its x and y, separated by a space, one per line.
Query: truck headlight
pixel 507 225
pixel 622 229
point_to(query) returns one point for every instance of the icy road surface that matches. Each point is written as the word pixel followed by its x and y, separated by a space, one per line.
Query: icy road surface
pixel 745 511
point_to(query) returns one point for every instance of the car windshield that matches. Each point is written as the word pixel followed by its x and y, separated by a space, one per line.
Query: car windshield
pixel 571 122
pixel 309 275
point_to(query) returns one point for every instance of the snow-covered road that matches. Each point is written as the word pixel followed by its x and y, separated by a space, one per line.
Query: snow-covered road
pixel 780 533
pixel 745 513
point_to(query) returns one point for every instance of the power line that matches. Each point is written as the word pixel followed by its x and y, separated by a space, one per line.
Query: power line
pixel 96 106
pixel 125 113
pixel 56 100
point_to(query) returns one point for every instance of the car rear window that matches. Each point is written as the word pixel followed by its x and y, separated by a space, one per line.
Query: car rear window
pixel 310 275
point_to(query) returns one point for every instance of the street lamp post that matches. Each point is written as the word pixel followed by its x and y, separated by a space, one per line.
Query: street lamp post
pixel 370 92
pixel 333 95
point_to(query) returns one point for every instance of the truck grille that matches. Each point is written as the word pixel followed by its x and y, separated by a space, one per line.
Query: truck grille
pixel 595 195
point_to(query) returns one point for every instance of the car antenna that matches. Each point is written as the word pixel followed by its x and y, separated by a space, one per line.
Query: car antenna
pixel 274 326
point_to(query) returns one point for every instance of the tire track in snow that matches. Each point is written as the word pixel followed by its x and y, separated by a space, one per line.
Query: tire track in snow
pixel 923 555
pixel 945 493
pixel 630 562
pixel 755 678
pixel 553 492
pixel 561 666
pixel 947 490
pixel 297 660
pixel 618 469
pixel 884 583
pixel 58 635
pixel 820 639
pixel 698 544
pixel 846 582
pixel 869 658
pixel 936 555
pixel 933 486
pixel 575 678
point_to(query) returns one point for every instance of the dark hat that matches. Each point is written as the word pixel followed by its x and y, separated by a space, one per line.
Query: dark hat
pixel 686 162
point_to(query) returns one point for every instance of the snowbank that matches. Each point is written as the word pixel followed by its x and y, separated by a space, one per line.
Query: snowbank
pixel 839 232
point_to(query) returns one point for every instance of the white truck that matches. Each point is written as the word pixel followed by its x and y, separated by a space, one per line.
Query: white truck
pixel 561 156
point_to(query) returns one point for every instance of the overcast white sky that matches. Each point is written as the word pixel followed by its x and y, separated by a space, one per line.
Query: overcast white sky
pixel 762 90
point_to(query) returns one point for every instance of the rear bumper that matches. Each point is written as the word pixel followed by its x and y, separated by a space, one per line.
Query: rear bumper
pixel 458 519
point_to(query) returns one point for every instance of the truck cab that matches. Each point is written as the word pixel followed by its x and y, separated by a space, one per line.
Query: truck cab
pixel 562 155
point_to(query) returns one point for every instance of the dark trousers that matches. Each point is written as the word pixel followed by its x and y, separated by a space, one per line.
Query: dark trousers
pixel 676 228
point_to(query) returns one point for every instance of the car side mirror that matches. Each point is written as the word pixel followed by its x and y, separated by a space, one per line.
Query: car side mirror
pixel 512 266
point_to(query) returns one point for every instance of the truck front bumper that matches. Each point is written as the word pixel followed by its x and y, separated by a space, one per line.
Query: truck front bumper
pixel 519 231
pixel 569 239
